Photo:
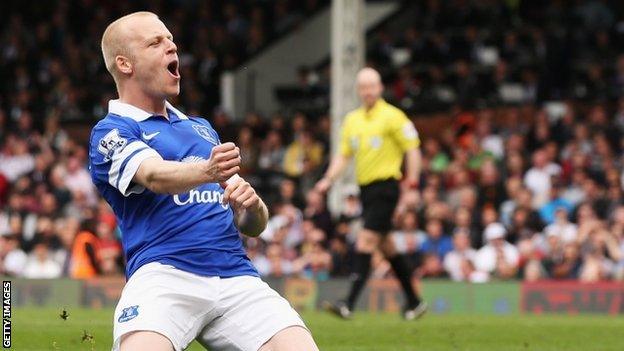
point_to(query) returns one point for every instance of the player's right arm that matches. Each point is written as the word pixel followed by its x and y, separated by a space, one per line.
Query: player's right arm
pixel 119 157
pixel 172 177
pixel 337 165
pixel 339 161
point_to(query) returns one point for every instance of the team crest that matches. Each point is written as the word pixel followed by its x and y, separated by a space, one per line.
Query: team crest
pixel 111 143
pixel 375 142
pixel 354 142
pixel 128 313
pixel 410 132
pixel 204 132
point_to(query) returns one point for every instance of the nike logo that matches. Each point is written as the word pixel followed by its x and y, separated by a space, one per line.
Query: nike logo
pixel 149 136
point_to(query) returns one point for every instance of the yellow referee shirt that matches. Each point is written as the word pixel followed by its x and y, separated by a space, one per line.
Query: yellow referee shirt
pixel 377 138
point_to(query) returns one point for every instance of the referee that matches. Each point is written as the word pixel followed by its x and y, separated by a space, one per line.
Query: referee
pixel 378 135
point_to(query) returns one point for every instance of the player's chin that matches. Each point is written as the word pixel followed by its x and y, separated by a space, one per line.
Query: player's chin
pixel 173 90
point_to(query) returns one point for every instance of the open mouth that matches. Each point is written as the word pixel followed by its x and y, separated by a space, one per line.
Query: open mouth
pixel 172 67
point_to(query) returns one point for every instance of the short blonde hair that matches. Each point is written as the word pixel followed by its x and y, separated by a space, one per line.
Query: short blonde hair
pixel 114 43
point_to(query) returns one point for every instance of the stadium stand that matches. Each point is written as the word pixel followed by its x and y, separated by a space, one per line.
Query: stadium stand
pixel 517 187
pixel 434 55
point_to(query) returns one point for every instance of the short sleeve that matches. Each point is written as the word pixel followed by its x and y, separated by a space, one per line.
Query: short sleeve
pixel 404 132
pixel 115 154
pixel 346 146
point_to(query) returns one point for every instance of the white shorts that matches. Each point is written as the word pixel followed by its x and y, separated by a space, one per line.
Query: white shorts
pixel 239 313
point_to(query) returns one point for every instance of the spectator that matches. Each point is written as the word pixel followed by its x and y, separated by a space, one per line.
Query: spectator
pixel 5 229
pixel 498 257
pixel 352 208
pixel 40 265
pixel 78 181
pixel 463 221
pixel 278 265
pixel 255 252
pixel 538 178
pixel 617 221
pixel 491 191
pixel 288 194
pixel 574 192
pixel 315 261
pixel 459 262
pixel 488 216
pixel 434 248
pixel 59 189
pixel 528 218
pixel 561 227
pixel 270 160
pixel 600 250
pixel 249 152
pixel 109 249
pixel 438 159
pixel 513 185
pixel 530 259
pixel 84 262
pixel 341 262
pixel 287 227
pixel 490 142
pixel 13 258
pixel 44 233
pixel 317 212
pixel 548 210
pixel 408 238
pixel 303 157
pixel 15 160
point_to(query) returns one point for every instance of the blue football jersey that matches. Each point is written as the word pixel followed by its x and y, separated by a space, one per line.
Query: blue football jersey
pixel 193 231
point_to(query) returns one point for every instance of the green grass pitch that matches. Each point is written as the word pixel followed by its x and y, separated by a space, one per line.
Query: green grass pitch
pixel 43 329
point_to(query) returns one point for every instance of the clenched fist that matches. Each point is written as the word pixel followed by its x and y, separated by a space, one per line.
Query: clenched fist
pixel 224 162
pixel 239 194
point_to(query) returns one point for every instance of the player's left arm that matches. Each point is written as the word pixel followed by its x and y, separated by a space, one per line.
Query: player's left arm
pixel 413 165
pixel 251 214
pixel 409 196
pixel 405 134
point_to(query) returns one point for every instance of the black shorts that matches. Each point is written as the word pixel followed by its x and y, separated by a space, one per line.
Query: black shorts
pixel 379 199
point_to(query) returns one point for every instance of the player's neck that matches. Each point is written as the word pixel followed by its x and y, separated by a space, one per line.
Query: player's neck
pixel 370 107
pixel 140 99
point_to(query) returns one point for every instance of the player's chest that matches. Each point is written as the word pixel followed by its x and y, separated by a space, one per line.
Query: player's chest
pixel 369 134
pixel 182 141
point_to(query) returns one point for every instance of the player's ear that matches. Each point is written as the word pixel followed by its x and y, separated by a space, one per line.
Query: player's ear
pixel 123 64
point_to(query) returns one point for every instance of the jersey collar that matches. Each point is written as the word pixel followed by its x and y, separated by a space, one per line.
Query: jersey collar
pixel 372 112
pixel 126 110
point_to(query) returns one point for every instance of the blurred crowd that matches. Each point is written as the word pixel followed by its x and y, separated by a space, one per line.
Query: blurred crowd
pixel 518 192
pixel 435 54
pixel 51 62
pixel 527 191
